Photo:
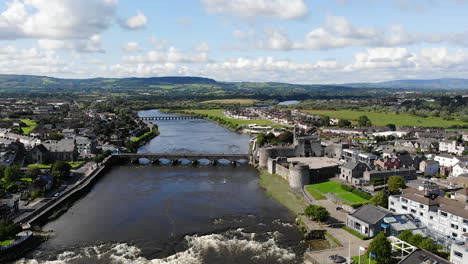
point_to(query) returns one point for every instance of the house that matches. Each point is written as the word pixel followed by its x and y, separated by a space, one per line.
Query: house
pixel 422 256
pixel 352 171
pixel 446 160
pixel 452 146
pixel 387 163
pixel 357 155
pixel 86 147
pixel 462 195
pixel 367 219
pixel 460 168
pixel 406 173
pixel 429 167
pixel 39 155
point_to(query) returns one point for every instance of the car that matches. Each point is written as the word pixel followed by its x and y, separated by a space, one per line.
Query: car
pixel 337 259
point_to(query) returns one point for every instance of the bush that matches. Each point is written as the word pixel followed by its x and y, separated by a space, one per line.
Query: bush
pixel 317 213
pixel 362 194
pixel 347 188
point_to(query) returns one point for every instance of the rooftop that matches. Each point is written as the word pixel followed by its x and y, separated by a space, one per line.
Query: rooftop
pixel 370 214
pixel 317 162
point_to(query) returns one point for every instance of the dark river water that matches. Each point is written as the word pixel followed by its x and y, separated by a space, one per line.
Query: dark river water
pixel 176 214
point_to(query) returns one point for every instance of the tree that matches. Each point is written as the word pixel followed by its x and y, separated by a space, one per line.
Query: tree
pixel 8 229
pixel 415 240
pixel 286 137
pixel 395 183
pixel 317 213
pixel 380 199
pixel 261 140
pixel 381 248
pixel 2 170
pixel 56 136
pixel 364 121
pixel 405 235
pixel 392 127
pixel 429 245
pixel 12 173
pixel 61 169
pixel 344 123
pixel 33 172
pixel 325 121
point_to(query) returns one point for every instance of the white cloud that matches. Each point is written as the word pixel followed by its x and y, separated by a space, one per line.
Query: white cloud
pixel 90 45
pixel 56 19
pixel 172 55
pixel 281 9
pixel 135 22
pixel 131 47
pixel 202 47
pixel 338 32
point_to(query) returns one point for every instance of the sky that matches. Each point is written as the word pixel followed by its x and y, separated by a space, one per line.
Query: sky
pixel 295 41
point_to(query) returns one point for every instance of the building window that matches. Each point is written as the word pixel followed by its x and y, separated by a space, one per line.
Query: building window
pixel 392 203
pixel 421 206
pixel 421 214
pixel 464 230
pixel 413 211
pixel 431 217
pixel 454 234
pixel 357 226
pixel 458 254
pixel 454 226
pixel 465 221
pixel 403 200
pixel 444 214
pixel 393 210
pixel 404 207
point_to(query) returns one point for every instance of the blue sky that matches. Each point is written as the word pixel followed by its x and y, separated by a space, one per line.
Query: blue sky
pixel 298 41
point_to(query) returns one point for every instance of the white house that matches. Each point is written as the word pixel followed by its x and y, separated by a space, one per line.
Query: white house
pixel 451 146
pixel 460 168
pixel 446 160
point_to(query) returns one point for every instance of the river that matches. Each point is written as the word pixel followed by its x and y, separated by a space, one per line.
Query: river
pixel 176 214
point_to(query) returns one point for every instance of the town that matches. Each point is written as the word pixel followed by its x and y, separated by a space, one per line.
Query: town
pixel 358 181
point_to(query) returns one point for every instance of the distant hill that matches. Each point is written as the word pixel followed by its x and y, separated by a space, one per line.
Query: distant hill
pixel 205 88
pixel 432 84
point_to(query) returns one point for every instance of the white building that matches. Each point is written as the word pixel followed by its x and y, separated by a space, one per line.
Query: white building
pixel 451 146
pixel 459 252
pixel 396 134
pixel 460 168
pixel 446 160
pixel 446 219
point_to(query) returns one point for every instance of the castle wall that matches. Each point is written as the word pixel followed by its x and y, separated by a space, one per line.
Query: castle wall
pixel 298 175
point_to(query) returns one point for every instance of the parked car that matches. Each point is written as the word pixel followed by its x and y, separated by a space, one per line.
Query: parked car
pixel 337 259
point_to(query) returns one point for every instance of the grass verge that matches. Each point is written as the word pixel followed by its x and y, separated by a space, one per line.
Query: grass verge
pixel 277 188
pixel 364 259
pixel 6 242
pixel 316 194
pixel 355 233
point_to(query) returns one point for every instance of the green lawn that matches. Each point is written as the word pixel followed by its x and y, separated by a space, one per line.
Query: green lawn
pixel 31 125
pixel 231 101
pixel 351 197
pixel 278 189
pixel 335 187
pixel 316 194
pixel 364 260
pixel 382 119
pixel 5 242
pixel 219 113
pixel 74 165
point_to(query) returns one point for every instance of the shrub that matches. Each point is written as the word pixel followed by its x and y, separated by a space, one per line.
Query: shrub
pixel 317 213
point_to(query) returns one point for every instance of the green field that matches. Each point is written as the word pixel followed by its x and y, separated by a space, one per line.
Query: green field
pixel 231 101
pixel 278 189
pixel 382 119
pixel 335 187
pixel 219 113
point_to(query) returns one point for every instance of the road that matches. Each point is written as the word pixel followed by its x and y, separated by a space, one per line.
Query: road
pixel 333 227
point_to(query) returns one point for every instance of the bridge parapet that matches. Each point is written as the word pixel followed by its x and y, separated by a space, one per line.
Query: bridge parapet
pixel 188 156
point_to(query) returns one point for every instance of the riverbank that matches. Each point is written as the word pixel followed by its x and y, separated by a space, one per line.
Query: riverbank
pixel 217 116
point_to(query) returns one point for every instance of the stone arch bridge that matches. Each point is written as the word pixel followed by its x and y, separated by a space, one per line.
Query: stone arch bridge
pixel 175 158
